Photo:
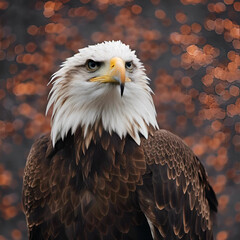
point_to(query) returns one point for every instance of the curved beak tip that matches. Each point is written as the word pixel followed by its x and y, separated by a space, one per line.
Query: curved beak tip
pixel 122 88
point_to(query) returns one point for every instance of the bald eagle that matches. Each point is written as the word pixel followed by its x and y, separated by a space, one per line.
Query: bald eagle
pixel 106 171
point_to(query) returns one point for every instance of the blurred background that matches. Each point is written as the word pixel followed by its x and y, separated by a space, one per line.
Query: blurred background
pixel 190 49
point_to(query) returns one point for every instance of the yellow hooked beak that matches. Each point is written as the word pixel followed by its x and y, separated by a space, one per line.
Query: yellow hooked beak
pixel 115 74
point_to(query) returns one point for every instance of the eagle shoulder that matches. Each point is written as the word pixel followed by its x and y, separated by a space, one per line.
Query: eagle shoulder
pixel 32 178
pixel 166 148
pixel 175 196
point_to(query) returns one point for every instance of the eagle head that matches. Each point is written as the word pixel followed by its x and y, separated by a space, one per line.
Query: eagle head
pixel 102 84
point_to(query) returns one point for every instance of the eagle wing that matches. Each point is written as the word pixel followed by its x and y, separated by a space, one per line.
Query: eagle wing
pixel 47 199
pixel 175 197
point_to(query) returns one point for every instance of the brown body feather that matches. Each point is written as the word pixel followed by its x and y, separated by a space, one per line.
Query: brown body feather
pixel 106 187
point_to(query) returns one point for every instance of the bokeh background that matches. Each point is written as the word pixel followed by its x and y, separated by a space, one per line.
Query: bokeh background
pixel 191 52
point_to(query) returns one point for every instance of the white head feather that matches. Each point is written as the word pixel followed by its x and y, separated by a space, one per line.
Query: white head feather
pixel 78 102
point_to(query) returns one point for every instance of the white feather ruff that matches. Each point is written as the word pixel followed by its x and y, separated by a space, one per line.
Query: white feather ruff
pixel 77 102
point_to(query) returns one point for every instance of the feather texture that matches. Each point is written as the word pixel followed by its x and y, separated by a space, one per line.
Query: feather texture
pixel 107 193
pixel 176 190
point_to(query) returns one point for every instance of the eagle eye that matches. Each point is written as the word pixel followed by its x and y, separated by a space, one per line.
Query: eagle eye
pixel 92 66
pixel 129 65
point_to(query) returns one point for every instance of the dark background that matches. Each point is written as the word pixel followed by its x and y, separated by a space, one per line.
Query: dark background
pixel 191 52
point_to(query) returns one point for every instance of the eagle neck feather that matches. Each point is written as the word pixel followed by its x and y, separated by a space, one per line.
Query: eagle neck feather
pixel 101 107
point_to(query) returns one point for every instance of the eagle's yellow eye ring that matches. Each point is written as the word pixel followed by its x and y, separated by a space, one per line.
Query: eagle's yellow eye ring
pixel 92 66
pixel 129 65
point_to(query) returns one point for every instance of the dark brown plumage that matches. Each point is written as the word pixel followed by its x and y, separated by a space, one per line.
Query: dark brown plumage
pixel 108 190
